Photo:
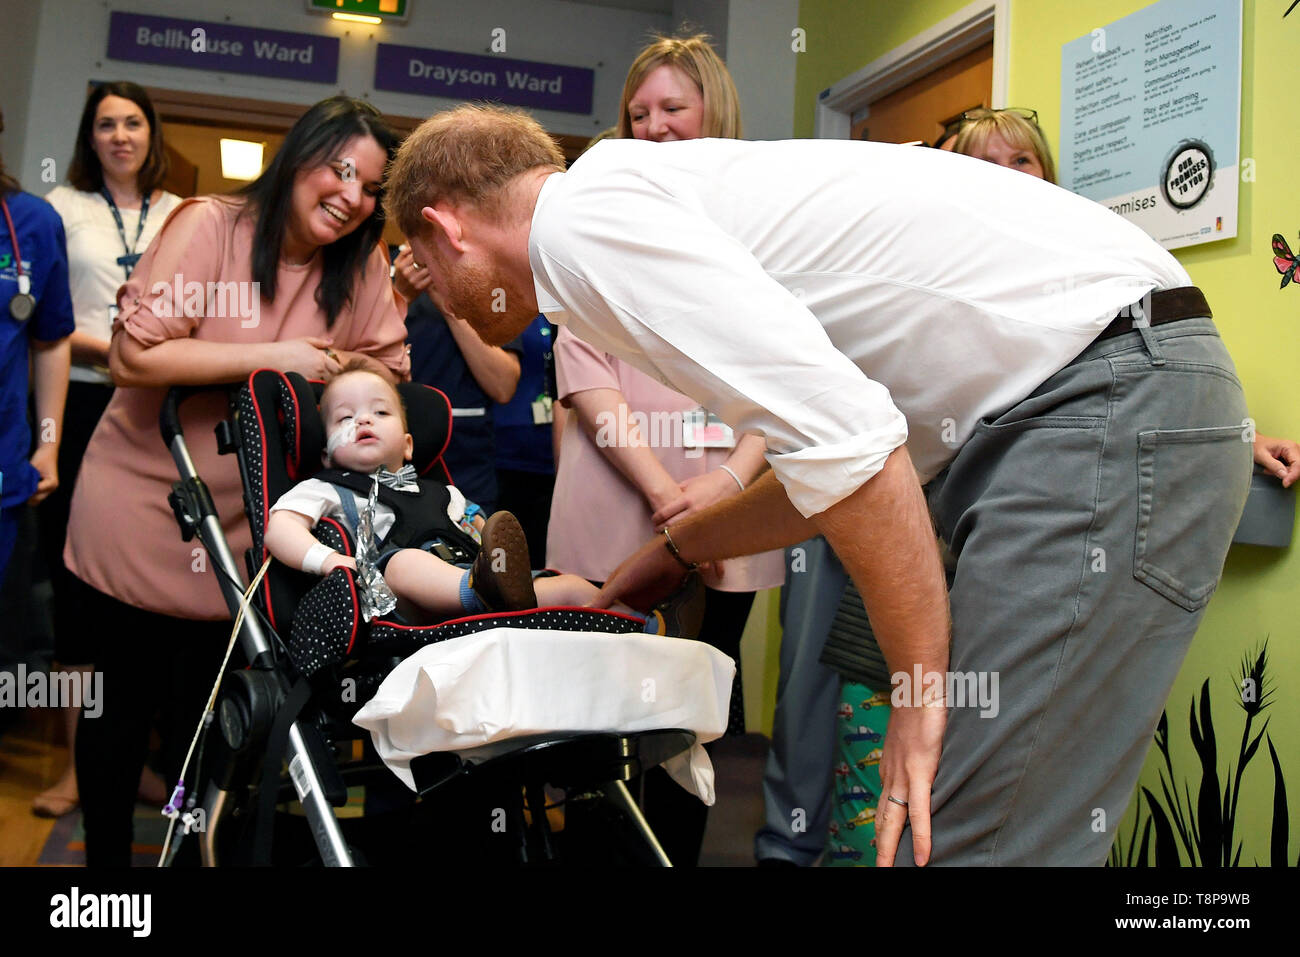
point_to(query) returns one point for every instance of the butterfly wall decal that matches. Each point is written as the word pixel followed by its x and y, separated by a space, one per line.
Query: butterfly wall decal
pixel 1283 259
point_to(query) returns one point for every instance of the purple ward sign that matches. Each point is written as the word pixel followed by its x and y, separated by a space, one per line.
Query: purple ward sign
pixel 224 47
pixel 465 76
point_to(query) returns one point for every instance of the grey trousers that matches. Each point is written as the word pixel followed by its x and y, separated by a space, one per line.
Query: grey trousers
pixel 797 777
pixel 1090 524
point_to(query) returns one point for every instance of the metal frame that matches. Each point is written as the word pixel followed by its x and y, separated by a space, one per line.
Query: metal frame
pixel 197 516
pixel 204 522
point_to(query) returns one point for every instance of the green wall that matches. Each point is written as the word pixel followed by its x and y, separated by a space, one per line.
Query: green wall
pixel 1260 593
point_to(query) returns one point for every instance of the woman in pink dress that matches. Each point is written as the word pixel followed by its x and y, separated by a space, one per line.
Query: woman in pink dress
pixel 288 274
pixel 634 454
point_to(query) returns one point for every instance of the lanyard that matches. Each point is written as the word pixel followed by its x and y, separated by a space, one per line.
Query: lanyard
pixel 23 304
pixel 24 280
pixel 127 261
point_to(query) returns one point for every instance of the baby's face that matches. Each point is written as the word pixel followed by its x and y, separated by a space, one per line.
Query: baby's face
pixel 363 424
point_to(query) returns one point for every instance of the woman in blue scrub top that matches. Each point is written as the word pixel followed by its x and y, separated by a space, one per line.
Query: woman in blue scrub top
pixel 35 320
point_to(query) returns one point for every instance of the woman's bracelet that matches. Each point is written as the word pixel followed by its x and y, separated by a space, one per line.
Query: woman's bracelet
pixel 733 475
pixel 672 550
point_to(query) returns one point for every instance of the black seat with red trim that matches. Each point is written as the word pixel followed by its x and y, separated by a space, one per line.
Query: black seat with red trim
pixel 281 437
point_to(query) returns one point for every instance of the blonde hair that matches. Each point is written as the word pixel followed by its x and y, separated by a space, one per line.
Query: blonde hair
pixel 1020 132
pixel 466 155
pixel 703 67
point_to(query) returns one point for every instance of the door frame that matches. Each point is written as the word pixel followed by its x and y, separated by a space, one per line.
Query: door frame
pixel 274 116
pixel 974 25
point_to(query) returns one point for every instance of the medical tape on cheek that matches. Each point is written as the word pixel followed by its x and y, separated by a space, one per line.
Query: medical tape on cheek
pixel 343 435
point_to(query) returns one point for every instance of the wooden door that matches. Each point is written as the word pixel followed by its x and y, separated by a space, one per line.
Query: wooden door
pixel 182 175
pixel 920 110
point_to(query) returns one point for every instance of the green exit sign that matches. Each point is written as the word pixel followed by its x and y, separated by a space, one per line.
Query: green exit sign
pixel 384 9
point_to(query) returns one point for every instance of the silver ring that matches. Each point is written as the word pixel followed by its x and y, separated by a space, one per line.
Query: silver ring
pixel 897 801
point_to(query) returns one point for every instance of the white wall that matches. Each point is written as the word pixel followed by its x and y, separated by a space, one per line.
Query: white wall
pixel 703 16
pixel 73 36
pixel 763 65
pixel 18 54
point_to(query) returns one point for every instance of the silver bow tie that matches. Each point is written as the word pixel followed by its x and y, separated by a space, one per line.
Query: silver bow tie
pixel 403 480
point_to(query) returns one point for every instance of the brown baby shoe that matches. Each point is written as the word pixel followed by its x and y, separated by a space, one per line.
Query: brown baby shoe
pixel 681 614
pixel 501 575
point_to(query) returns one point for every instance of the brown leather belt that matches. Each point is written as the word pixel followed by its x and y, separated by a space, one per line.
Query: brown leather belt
pixel 1165 305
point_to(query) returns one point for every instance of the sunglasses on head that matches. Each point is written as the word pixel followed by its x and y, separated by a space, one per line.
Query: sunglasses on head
pixel 1030 115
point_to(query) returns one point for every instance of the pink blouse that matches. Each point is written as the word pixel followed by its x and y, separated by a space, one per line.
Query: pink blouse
pixel 122 536
pixel 598 517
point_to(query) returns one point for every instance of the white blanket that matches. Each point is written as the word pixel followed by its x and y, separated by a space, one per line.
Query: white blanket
pixel 480 694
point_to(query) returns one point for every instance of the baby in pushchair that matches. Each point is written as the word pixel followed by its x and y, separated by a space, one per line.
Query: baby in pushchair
pixel 368 448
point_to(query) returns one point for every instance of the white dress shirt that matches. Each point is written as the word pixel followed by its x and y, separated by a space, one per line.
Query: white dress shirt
pixel 841 298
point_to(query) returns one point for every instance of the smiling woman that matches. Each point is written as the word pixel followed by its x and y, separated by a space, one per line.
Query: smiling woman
pixel 677 89
pixel 321 191
pixel 301 242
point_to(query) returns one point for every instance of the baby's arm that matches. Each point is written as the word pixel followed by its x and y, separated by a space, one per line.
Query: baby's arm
pixel 289 539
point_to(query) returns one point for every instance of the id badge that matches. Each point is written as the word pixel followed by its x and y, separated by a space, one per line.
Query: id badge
pixel 704 430
pixel 543 413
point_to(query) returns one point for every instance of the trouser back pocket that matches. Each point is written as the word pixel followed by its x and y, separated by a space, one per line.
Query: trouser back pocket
pixel 1192 486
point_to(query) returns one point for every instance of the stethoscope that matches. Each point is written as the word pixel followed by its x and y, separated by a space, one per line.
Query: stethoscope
pixel 23 304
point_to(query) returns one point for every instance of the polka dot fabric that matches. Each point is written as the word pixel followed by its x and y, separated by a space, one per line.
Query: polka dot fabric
pixel 328 630
pixel 281 436
pixel 326 624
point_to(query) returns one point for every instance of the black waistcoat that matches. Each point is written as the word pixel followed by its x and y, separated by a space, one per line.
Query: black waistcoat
pixel 421 516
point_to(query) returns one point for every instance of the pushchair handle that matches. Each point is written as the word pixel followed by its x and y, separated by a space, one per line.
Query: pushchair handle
pixel 169 420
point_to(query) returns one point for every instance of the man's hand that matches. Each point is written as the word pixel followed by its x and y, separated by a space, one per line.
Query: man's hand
pixel 46 461
pixel 649 575
pixel 1279 456
pixel 410 279
pixel 913 742
pixel 883 536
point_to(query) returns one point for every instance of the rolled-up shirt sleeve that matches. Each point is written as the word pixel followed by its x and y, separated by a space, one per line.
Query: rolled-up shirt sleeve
pixel 152 303
pixel 649 279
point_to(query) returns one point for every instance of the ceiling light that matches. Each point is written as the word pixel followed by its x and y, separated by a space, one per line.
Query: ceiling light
pixel 241 159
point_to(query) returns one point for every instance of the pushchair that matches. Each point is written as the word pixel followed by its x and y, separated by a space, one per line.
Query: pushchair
pixel 307 661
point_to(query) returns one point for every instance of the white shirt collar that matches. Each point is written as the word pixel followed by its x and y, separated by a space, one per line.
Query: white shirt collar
pixel 546 303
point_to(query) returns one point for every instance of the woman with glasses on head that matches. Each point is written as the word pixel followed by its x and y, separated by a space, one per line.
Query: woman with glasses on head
pixel 1010 138
pixel 112 208
pixel 302 284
